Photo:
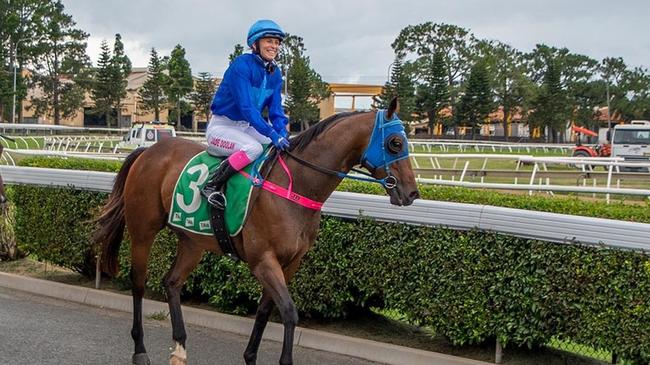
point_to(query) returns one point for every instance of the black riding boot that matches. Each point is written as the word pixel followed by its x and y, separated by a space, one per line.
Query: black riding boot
pixel 212 189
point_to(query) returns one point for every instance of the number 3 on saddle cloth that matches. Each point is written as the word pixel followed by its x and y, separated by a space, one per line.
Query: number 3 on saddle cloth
pixel 190 211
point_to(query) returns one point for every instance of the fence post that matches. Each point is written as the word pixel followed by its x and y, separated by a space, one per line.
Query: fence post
pixel 98 271
pixel 498 353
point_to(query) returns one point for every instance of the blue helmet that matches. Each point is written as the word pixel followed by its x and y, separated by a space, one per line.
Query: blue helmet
pixel 264 28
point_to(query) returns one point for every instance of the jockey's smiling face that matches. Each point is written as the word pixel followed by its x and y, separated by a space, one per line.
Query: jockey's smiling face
pixel 269 48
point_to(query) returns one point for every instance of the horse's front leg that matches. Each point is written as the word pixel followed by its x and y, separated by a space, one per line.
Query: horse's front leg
pixel 270 274
pixel 261 319
pixel 186 260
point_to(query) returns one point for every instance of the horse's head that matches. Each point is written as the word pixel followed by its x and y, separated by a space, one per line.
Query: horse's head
pixel 387 157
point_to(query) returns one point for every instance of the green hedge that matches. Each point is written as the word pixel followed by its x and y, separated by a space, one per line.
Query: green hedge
pixel 469 286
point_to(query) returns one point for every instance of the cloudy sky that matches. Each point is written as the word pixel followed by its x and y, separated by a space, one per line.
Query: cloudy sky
pixel 349 40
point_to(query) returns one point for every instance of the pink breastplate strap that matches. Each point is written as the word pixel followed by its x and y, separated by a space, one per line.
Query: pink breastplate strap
pixel 287 193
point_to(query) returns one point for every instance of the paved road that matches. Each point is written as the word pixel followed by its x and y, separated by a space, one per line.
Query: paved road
pixel 40 330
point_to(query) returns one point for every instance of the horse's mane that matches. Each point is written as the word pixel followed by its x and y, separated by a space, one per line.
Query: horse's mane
pixel 301 141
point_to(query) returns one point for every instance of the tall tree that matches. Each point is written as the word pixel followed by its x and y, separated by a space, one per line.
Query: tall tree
pixel 549 109
pixel 101 86
pixel 60 64
pixel 453 42
pixel 121 69
pixel 202 95
pixel 477 102
pixel 180 80
pixel 612 71
pixel 305 86
pixel 636 83
pixel 109 86
pixel 21 28
pixel 152 93
pixel 401 85
pixel 237 51
pixel 506 68
pixel 433 93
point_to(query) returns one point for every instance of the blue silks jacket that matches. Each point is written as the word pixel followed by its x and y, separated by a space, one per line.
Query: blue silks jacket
pixel 246 89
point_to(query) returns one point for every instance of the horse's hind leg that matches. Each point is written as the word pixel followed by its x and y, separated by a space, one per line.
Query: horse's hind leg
pixel 140 247
pixel 187 257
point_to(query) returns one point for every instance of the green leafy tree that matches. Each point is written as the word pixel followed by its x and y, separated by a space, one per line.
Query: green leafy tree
pixel 402 86
pixel 109 86
pixel 454 43
pixel 574 75
pixel 305 86
pixel 549 109
pixel 59 65
pixel 180 81
pixel 121 69
pixel 202 95
pixel 238 51
pixel 21 28
pixel 477 102
pixel 101 88
pixel 612 71
pixel 433 93
pixel 506 68
pixel 636 105
pixel 152 93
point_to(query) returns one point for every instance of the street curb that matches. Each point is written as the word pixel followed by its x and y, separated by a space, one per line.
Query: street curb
pixel 307 338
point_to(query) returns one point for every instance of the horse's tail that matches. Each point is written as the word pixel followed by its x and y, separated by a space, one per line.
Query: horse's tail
pixel 110 223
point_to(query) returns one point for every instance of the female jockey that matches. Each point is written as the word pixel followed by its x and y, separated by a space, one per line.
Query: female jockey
pixel 237 128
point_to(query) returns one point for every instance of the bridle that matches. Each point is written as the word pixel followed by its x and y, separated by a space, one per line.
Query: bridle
pixel 381 152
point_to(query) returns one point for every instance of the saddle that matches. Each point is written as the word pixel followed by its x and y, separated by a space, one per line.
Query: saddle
pixel 191 212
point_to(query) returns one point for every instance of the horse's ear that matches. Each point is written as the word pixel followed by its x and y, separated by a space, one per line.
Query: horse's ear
pixel 392 109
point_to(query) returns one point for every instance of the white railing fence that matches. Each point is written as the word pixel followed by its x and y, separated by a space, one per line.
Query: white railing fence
pixel 543 226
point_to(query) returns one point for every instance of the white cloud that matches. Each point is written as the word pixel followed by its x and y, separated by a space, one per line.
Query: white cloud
pixel 350 40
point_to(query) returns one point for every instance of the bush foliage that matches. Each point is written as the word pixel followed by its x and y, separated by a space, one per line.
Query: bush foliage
pixel 469 286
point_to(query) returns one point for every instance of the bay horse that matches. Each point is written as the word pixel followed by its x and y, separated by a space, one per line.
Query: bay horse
pixel 276 235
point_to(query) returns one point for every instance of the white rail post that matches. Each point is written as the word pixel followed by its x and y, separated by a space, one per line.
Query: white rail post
pixel 462 175
pixel 415 162
pixel 532 178
pixel 609 181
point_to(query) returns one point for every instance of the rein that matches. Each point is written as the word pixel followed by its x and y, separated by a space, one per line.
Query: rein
pixel 389 182
pixel 375 155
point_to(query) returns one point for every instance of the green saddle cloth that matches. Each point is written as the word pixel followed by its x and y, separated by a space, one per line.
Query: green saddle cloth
pixel 190 210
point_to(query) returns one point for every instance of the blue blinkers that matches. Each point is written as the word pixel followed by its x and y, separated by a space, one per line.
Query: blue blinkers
pixel 388 143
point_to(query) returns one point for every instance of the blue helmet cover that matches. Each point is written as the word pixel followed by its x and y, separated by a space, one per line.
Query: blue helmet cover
pixel 264 28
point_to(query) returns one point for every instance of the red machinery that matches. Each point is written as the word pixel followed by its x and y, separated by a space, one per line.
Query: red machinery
pixel 600 150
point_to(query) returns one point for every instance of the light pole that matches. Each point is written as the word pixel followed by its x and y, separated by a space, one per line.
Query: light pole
pixel 609 114
pixel 388 74
pixel 13 105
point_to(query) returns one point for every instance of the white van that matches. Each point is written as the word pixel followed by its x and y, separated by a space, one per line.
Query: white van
pixel 146 134
pixel 632 141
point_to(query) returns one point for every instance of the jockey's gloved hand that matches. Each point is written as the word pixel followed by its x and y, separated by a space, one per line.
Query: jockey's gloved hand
pixel 283 132
pixel 279 142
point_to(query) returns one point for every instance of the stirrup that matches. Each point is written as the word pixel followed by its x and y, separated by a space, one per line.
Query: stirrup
pixel 217 199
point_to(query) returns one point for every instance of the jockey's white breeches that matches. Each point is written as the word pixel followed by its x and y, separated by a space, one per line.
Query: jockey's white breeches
pixel 226 137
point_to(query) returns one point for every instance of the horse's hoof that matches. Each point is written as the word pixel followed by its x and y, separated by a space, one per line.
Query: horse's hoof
pixel 179 356
pixel 141 359
pixel 175 360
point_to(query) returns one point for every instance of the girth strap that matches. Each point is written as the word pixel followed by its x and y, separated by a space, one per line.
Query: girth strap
pixel 218 222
